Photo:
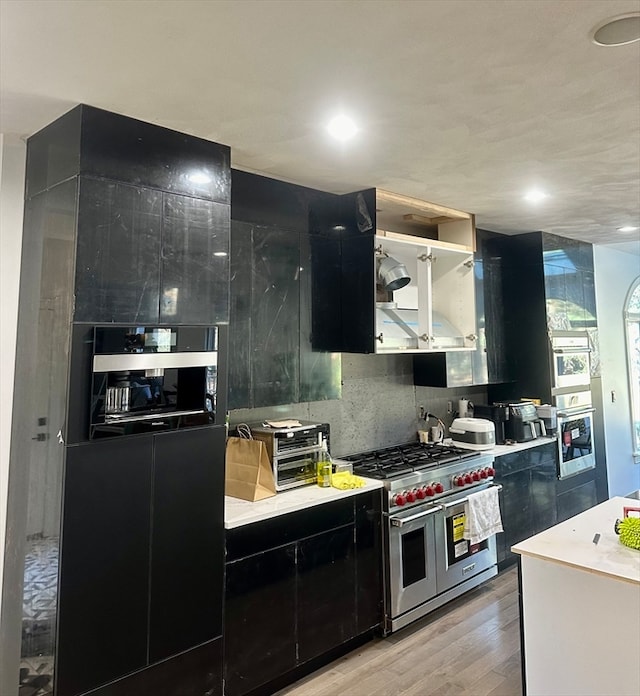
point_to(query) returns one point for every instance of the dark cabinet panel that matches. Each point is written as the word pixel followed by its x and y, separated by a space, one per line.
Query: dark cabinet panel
pixel 260 619
pixel 369 590
pixel 104 566
pixel 326 592
pixel 274 284
pixel 298 587
pixel 275 317
pixel 196 672
pixel 194 283
pixel 187 540
pixel 240 342
pixel 125 149
pixel 576 500
pixel 117 270
pixel 528 496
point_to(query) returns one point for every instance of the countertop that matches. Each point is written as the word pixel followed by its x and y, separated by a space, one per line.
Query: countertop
pixel 570 543
pixel 240 512
pixel 499 450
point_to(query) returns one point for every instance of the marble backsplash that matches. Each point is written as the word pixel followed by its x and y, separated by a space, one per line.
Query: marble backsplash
pixel 379 405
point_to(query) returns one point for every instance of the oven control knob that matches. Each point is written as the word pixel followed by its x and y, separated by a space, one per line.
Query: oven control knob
pixel 475 476
pixel 490 471
pixel 459 480
pixel 483 474
pixel 439 487
pixel 421 493
pixel 411 497
pixel 399 499
pixel 429 491
pixel 467 478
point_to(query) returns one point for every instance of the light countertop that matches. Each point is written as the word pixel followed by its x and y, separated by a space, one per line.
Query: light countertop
pixel 499 450
pixel 571 543
pixel 240 512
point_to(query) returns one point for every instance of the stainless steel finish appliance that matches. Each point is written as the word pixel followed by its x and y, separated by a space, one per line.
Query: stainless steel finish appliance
pixel 150 378
pixel 571 360
pixel 428 562
pixel 293 451
pixel 498 414
pixel 575 441
pixel 572 396
pixel 523 424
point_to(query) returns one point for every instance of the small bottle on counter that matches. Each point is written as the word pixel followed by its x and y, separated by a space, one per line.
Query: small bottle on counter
pixel 324 467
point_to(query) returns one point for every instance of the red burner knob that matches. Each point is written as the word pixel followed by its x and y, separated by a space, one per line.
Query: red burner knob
pixel 483 474
pixel 421 493
pixel 467 478
pixel 439 488
pixel 490 471
pixel 411 497
pixel 459 480
pixel 399 499
pixel 476 476
pixel 429 491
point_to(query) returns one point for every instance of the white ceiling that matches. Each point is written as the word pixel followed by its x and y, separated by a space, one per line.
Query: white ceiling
pixel 465 103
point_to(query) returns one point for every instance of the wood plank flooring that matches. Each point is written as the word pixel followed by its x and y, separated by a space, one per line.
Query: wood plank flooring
pixel 470 647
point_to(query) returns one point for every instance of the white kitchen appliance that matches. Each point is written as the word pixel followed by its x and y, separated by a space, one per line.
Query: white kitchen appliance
pixel 476 433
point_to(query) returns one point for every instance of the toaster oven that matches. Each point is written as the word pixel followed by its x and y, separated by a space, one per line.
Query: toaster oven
pixel 293 451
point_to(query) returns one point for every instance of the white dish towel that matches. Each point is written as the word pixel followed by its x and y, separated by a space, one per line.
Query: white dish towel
pixel 482 515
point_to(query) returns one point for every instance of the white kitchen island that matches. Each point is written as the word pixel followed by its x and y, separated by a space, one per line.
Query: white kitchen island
pixel 581 607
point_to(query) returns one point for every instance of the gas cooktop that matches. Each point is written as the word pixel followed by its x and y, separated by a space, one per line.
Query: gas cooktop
pixel 393 462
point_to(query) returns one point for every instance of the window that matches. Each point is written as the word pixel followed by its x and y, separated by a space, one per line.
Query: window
pixel 632 326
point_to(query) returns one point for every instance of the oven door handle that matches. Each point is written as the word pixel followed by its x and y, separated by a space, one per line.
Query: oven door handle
pixel 570 414
pixel 399 521
pixel 446 506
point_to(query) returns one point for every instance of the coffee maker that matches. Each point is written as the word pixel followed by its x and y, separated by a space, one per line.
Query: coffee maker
pixel 498 414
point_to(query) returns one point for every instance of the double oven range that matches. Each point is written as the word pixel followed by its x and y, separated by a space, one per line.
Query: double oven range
pixel 427 560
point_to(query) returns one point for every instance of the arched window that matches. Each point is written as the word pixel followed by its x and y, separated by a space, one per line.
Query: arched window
pixel 632 327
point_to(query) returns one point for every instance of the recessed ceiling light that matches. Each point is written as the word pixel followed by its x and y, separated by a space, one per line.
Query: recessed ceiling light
pixel 617 31
pixel 220 253
pixel 535 196
pixel 342 127
pixel 628 228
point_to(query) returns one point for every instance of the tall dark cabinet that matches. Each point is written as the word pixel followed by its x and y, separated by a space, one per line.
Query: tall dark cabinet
pixel 275 280
pixel 548 285
pixel 126 223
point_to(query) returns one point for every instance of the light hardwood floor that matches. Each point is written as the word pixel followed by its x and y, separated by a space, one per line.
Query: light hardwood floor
pixel 470 647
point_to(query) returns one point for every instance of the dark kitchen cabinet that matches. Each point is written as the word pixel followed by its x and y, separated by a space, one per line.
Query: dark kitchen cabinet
pixel 104 563
pixel 118 253
pixel 528 496
pixel 327 604
pixel 187 539
pixel 125 223
pixel 272 286
pixel 194 262
pixel 299 587
pixel 260 619
pixel 149 257
pixel 138 513
pixel 576 494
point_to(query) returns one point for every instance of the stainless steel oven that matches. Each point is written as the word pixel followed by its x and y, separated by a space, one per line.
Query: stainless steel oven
pixel 571 359
pixel 575 441
pixel 428 560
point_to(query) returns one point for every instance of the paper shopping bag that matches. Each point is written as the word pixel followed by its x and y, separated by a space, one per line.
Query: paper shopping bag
pixel 248 473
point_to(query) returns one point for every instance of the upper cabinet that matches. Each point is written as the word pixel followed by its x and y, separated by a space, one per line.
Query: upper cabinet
pixel 153 217
pixel 406 276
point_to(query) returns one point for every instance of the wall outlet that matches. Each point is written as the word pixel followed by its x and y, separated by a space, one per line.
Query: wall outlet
pixel 449 406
